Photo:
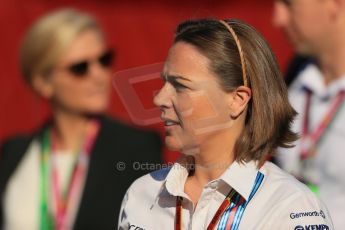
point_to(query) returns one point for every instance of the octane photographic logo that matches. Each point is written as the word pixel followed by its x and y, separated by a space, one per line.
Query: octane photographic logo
pixel 124 83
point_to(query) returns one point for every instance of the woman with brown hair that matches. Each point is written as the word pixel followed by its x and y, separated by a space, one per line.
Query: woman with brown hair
pixel 224 106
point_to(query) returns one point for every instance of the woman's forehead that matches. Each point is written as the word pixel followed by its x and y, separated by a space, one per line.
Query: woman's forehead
pixel 185 60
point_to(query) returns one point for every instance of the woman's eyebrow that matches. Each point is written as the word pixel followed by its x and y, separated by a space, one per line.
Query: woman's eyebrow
pixel 287 2
pixel 168 77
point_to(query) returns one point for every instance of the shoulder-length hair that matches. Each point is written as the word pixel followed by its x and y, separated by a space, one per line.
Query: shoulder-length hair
pixel 269 114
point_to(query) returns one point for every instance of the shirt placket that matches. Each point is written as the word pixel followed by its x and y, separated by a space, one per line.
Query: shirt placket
pixel 200 211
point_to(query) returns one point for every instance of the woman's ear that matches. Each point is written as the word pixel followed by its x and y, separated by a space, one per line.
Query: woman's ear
pixel 239 101
pixel 43 86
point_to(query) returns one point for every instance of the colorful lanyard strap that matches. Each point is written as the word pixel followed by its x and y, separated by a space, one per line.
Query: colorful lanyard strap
pixel 311 139
pixel 62 199
pixel 229 213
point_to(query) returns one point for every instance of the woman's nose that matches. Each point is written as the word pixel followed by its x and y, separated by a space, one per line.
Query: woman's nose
pixel 97 71
pixel 164 97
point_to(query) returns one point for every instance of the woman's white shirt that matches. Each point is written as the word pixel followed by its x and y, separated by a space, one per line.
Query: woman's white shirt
pixel 281 202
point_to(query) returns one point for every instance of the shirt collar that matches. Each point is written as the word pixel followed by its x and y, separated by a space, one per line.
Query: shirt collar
pixel 175 180
pixel 239 176
pixel 312 79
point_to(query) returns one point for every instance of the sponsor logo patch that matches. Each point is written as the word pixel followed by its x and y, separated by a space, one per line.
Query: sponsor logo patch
pixel 296 215
pixel 312 227
pixel 134 227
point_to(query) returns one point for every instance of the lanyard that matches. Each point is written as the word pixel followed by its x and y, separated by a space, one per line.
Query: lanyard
pixel 311 139
pixel 62 200
pixel 229 213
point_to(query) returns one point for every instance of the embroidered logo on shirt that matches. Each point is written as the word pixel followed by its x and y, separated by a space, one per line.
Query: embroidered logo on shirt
pixel 294 215
pixel 299 227
pixel 312 227
pixel 134 227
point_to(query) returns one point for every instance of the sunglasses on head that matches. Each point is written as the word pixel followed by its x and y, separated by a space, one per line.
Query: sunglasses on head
pixel 81 68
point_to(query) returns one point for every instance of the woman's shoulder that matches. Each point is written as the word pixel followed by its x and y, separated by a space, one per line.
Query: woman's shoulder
pixel 12 151
pixel 146 188
pixel 287 186
pixel 143 191
pixel 294 204
pixel 141 196
pixel 150 184
pixel 14 146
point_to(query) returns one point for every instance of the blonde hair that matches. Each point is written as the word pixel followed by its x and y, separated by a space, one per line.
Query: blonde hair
pixel 49 37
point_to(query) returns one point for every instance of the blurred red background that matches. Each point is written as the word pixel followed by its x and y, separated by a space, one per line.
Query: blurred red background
pixel 140 32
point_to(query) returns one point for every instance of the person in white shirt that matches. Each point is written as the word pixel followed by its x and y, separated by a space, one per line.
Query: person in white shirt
pixel 224 105
pixel 317 29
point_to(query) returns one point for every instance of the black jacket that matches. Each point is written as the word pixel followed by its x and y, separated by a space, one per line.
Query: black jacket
pixel 105 186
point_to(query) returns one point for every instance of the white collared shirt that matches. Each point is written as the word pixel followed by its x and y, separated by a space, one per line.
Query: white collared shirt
pixel 327 167
pixel 281 202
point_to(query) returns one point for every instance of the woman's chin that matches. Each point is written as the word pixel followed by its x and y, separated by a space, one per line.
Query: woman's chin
pixel 192 151
pixel 173 144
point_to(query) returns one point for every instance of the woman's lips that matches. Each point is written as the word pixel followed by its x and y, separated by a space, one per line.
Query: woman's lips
pixel 169 123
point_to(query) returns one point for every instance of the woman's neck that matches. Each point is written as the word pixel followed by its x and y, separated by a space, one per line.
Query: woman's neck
pixel 216 153
pixel 69 129
pixel 211 161
pixel 210 166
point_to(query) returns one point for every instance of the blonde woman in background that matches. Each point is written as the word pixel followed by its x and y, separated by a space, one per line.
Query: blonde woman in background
pixel 64 176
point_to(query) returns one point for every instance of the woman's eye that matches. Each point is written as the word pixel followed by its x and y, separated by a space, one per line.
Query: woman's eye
pixel 178 86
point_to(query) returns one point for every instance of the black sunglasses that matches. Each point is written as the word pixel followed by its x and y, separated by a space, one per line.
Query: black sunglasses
pixel 80 69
